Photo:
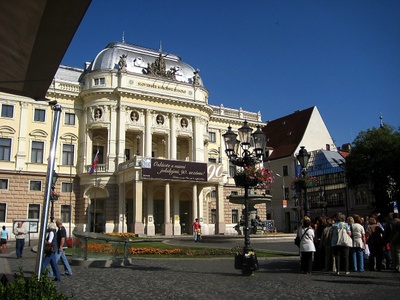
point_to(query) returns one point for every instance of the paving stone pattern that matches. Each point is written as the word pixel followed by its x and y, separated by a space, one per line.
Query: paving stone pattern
pixel 277 278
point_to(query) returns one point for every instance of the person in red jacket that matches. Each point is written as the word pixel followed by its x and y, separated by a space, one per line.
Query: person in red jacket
pixel 196 230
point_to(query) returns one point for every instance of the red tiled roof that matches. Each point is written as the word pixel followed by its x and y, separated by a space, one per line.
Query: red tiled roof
pixel 285 134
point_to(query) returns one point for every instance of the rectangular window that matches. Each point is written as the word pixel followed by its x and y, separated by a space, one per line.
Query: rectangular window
pixel 7 111
pixel 3 184
pixel 37 152
pixel 286 196
pixel 212 137
pixel 235 216
pixel 99 81
pixel 69 119
pixel 212 160
pixel 5 149
pixel 285 171
pixel 3 207
pixel 213 216
pixel 40 115
pixel 33 212
pixel 66 187
pixel 65 213
pixel 35 185
pixel 68 155
pixel 213 194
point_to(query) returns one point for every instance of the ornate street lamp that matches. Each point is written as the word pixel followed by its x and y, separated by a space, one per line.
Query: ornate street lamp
pixel 303 158
pixel 247 261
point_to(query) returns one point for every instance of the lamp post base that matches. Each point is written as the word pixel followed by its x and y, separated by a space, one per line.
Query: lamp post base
pixel 246 261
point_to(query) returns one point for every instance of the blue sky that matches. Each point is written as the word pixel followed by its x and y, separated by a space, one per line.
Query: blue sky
pixel 272 56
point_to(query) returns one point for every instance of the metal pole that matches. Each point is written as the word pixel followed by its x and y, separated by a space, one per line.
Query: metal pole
pixel 70 189
pixel 305 194
pixel 52 211
pixel 49 179
pixel 246 221
pixel 305 202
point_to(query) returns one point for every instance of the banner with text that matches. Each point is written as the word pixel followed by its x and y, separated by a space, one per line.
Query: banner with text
pixel 173 170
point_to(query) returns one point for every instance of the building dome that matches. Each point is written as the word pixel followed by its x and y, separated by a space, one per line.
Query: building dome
pixel 140 60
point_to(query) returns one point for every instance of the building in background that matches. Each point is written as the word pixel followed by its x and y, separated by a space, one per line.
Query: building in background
pixel 140 148
pixel 327 163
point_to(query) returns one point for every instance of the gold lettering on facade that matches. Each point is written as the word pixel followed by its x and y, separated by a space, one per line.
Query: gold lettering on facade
pixel 161 87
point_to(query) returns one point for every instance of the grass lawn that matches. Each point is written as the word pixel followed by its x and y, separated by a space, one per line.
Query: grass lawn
pixel 158 249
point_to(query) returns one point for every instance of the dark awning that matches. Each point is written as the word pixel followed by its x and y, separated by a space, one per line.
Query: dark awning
pixel 34 36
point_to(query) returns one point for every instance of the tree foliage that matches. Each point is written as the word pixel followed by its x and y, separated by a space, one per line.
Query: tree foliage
pixel 374 159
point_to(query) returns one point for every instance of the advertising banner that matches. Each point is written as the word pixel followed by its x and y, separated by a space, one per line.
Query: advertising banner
pixel 153 168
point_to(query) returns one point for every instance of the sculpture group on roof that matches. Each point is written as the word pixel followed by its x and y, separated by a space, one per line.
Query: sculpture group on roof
pixel 158 68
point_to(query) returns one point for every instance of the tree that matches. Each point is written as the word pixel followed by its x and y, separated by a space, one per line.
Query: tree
pixel 375 159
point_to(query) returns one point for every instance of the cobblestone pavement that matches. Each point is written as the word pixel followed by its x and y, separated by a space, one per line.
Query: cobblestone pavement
pixel 277 278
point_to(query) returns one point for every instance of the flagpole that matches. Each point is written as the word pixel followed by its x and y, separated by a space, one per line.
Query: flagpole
pixel 95 199
pixel 92 170
pixel 70 190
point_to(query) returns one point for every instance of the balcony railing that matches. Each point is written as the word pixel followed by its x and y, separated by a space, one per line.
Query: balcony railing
pixel 100 168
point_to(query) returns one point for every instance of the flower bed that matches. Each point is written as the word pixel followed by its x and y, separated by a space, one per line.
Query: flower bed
pixel 110 249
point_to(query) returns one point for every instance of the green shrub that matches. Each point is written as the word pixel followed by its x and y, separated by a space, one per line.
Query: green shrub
pixel 30 289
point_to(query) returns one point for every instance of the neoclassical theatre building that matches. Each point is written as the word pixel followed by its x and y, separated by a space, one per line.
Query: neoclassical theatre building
pixel 143 116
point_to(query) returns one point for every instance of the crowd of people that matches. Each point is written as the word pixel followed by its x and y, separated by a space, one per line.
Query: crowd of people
pixel 343 245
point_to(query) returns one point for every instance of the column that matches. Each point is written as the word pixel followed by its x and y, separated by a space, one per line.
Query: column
pixel 121 122
pixel 121 205
pixel 21 155
pixel 112 139
pixel 198 131
pixel 89 149
pixel 176 220
pixel 220 226
pixel 172 141
pixel 148 140
pixel 82 143
pixel 167 230
pixel 194 202
pixel 151 229
pixel 138 226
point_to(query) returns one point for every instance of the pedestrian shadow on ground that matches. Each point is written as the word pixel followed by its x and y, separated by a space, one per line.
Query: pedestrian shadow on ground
pixel 279 266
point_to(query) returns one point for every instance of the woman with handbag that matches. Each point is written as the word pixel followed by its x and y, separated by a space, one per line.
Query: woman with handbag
pixel 307 246
pixel 49 251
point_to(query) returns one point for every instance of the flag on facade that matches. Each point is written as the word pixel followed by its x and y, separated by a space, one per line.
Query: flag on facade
pixel 94 165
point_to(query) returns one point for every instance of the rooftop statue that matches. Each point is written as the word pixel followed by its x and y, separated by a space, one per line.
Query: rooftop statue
pixel 122 62
pixel 158 68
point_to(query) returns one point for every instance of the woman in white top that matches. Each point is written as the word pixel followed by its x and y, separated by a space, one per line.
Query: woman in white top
pixel 307 247
pixel 358 236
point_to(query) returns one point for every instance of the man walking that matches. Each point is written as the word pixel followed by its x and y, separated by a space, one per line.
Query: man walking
pixel 61 241
pixel 20 234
